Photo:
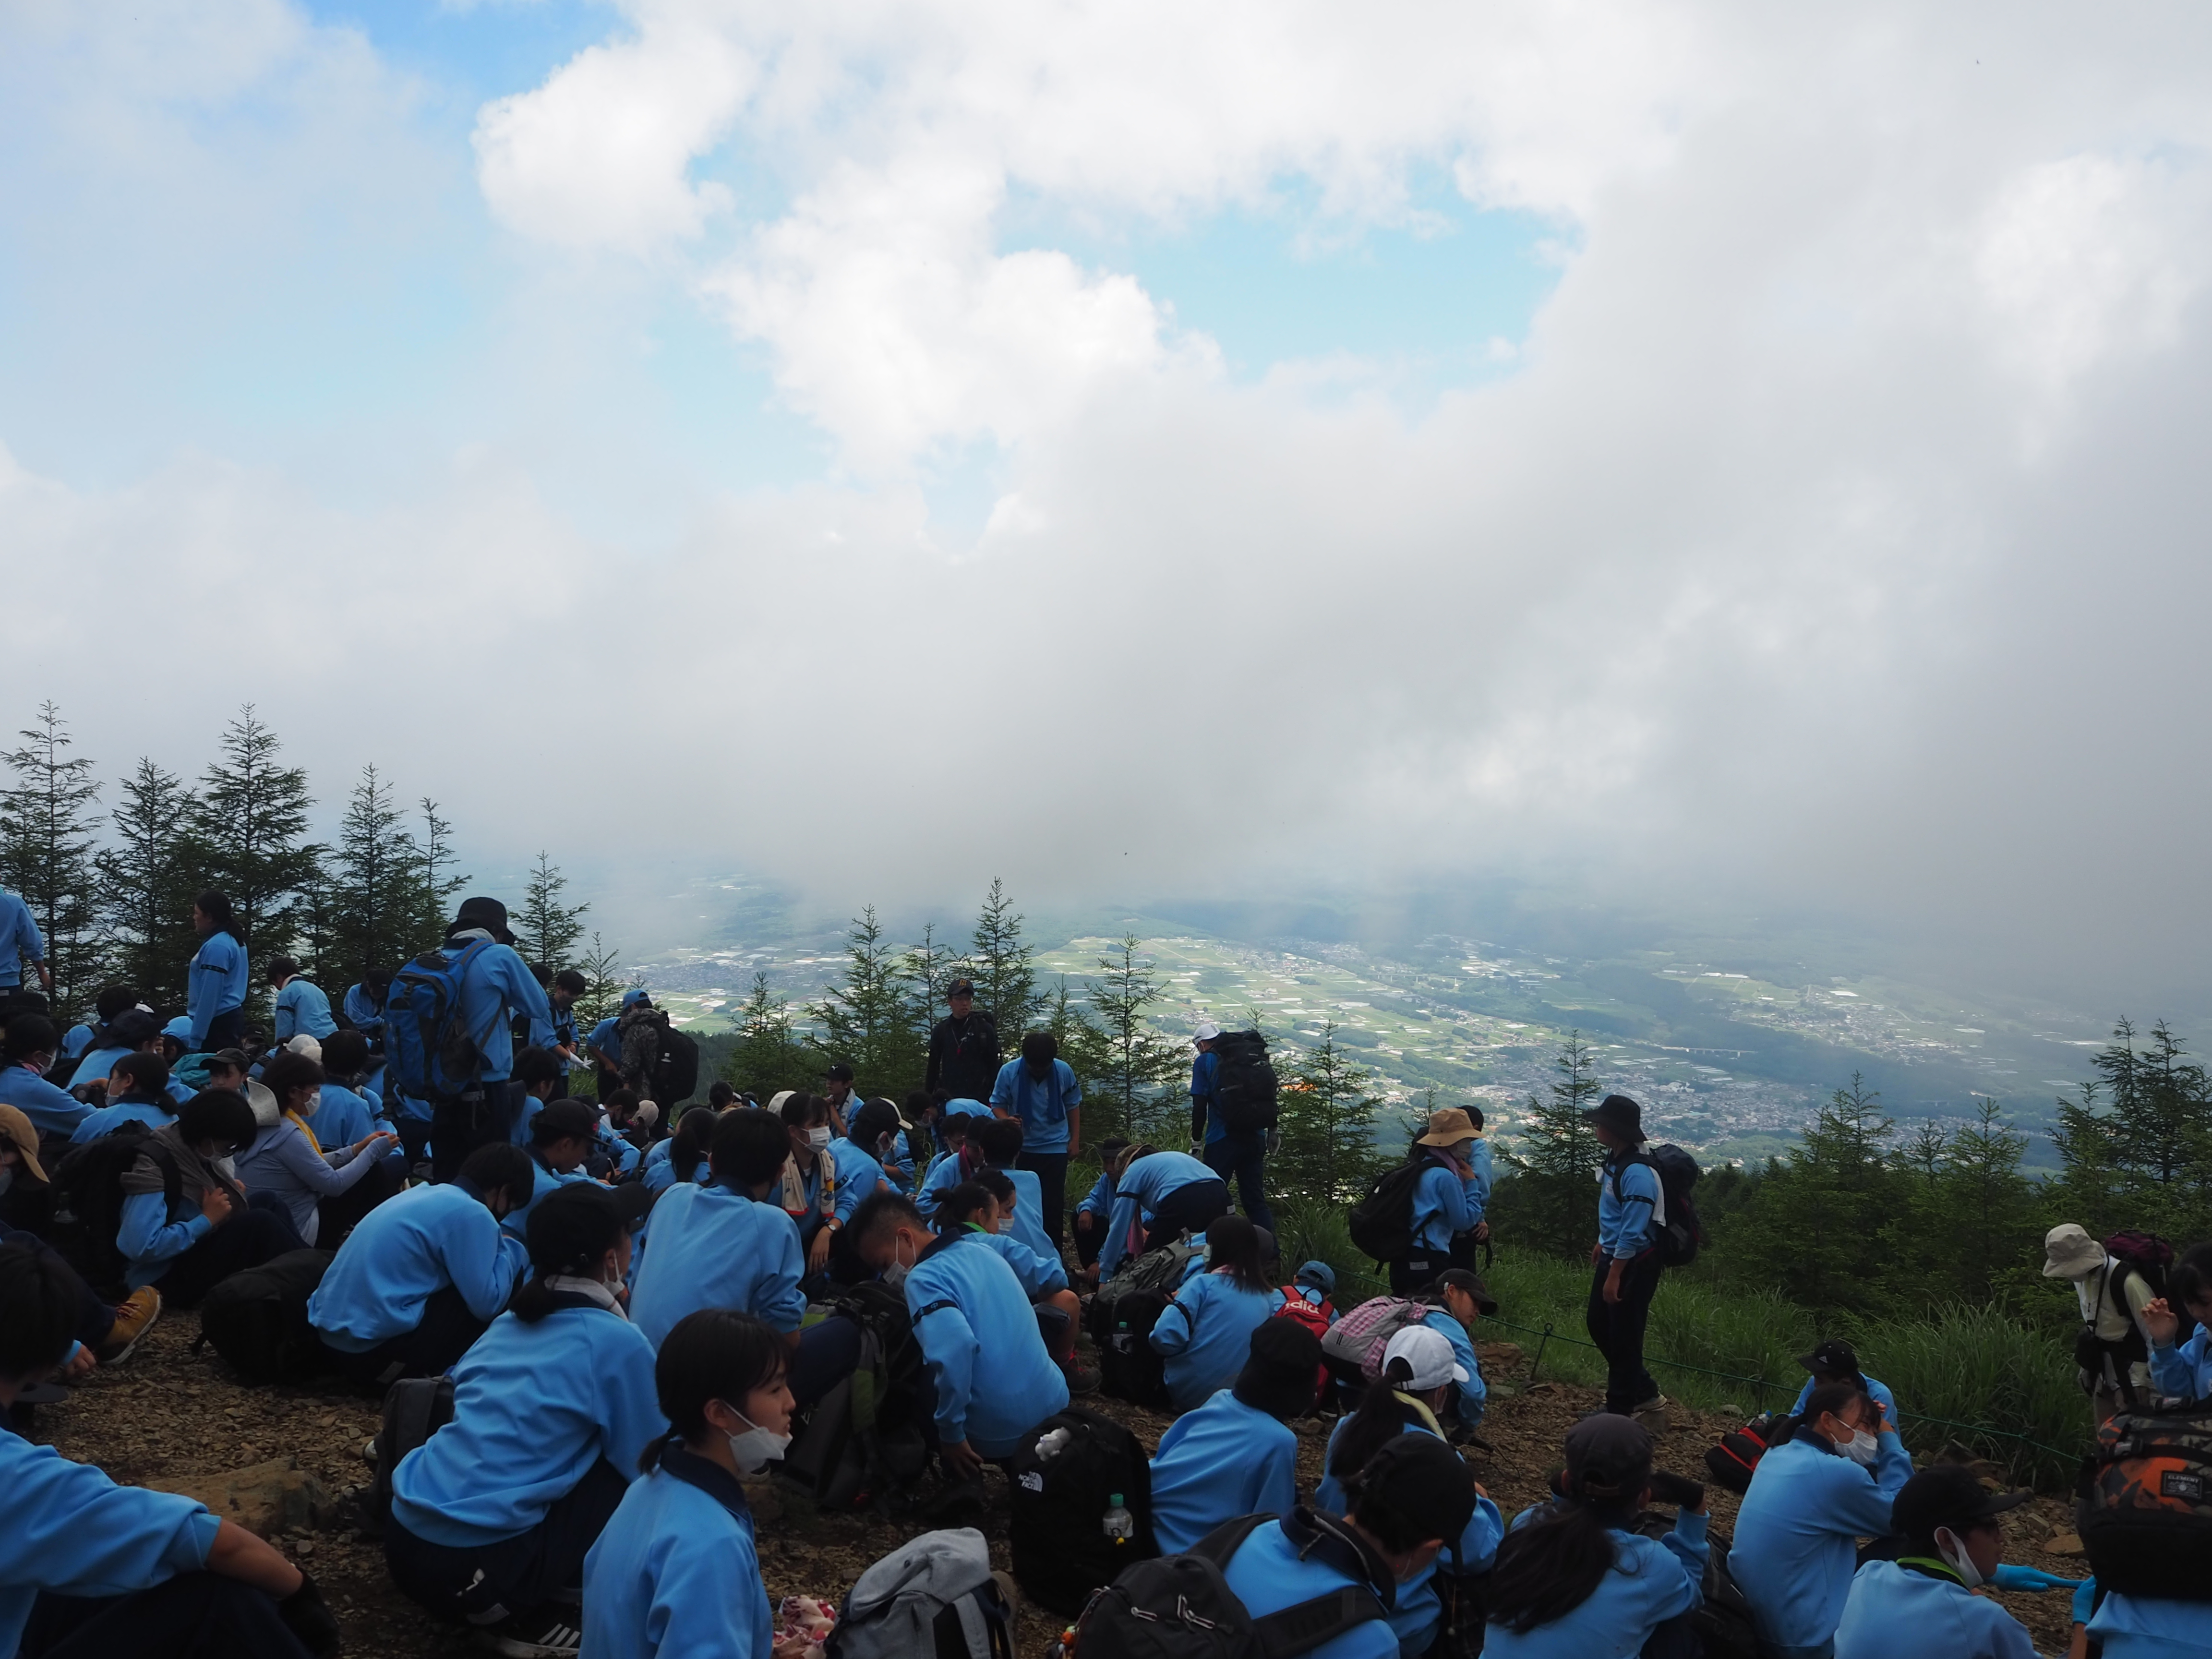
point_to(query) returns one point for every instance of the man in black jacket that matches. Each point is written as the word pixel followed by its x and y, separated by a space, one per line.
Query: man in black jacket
pixel 964 1049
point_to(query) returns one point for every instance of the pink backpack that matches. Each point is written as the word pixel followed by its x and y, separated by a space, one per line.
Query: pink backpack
pixel 1359 1337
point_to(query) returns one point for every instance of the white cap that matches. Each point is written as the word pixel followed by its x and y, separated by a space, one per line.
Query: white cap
pixel 1430 1355
pixel 1206 1033
pixel 304 1044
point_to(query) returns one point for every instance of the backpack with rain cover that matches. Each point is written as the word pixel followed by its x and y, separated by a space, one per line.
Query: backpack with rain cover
pixel 863 1440
pixel 641 1030
pixel 430 1054
pixel 2144 1505
pixel 934 1597
pixel 1245 1082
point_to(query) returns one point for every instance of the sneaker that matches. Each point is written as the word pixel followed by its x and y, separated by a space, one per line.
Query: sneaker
pixel 1652 1414
pixel 132 1320
pixel 1082 1379
pixel 544 1634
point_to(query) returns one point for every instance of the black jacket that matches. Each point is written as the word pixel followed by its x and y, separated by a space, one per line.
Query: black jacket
pixel 964 1056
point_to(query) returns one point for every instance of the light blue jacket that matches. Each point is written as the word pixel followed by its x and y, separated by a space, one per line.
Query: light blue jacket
pixel 496 987
pixel 1041 1105
pixel 217 976
pixel 97 1063
pixel 995 1380
pixel 1625 1222
pixel 150 1235
pixel 1205 1333
pixel 1203 1072
pixel 73 1531
pixel 858 1175
pixel 534 1407
pixel 1223 1459
pixel 302 1010
pixel 2142 1627
pixel 52 1111
pixel 20 939
pixel 75 1041
pixel 284 1161
pixel 1894 1612
pixel 1267 1574
pixel 108 1119
pixel 1652 1580
pixel 1797 1533
pixel 341 1117
pixel 1028 1224
pixel 676 1573
pixel 1099 1200
pixel 542 1180
pixel 1040 1276
pixel 1473 1393
pixel 1444 1202
pixel 366 1017
pixel 404 1251
pixel 2185 1372
pixel 711 1248
pixel 1137 1195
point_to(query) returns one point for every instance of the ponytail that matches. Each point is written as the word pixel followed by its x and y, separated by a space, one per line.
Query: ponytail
pixel 1382 1417
pixel 1550 1566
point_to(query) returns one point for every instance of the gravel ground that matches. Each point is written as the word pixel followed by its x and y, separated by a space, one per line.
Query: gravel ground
pixel 170 1414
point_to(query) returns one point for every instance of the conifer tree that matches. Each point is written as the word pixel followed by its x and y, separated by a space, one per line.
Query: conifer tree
pixel 547 930
pixel 863 1017
pixel 1552 1204
pixel 46 853
pixel 603 986
pixel 252 816
pixel 1134 1093
pixel 1083 1044
pixel 1821 1226
pixel 767 1057
pixel 1325 1116
pixel 148 880
pixel 928 968
pixel 436 889
pixel 375 890
pixel 2136 1147
pixel 1000 964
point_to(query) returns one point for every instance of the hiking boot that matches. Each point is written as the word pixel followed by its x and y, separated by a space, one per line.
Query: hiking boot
pixel 133 1319
pixel 547 1633
pixel 1652 1414
pixel 1082 1379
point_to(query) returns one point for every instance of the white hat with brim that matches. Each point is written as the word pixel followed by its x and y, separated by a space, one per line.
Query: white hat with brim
pixel 1429 1353
pixel 2070 1253
pixel 1206 1033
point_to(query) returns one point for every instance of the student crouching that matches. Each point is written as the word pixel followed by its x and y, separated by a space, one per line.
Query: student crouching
pixel 286 1158
pixel 553 1409
pixel 1572 1580
pixel 676 1570
pixel 1831 1483
pixel 1923 1605
pixel 1237 1454
pixel 1205 1332
pixel 212 1228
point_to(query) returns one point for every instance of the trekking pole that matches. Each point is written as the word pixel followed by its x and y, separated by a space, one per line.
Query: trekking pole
pixel 1539 1359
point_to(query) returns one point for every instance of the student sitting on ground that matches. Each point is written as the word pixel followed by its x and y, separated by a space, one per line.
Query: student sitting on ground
pixel 1205 1333
pixel 491 1516
pixel 417 1281
pixel 727 1243
pixel 985 1206
pixel 95 1570
pixel 352 1106
pixel 134 1031
pixel 1812 1498
pixel 560 1138
pixel 1572 1580
pixel 1096 1207
pixel 30 1047
pixel 683 1156
pixel 1169 1193
pixel 2183 1371
pixel 810 1177
pixel 212 1228
pixel 868 1131
pixel 1418 1375
pixel 676 1571
pixel 285 1157
pixel 137 1092
pixel 1836 1361
pixel 993 1144
pixel 1922 1605
pixel 993 1379
pixel 81 1039
pixel 946 1170
pixel 1237 1454
pixel 1412 1495
pixel 1314 1285
pixel 105 1335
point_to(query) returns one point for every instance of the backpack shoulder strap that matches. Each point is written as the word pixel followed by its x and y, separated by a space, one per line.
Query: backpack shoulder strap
pixel 1305 1626
pixel 1225 1540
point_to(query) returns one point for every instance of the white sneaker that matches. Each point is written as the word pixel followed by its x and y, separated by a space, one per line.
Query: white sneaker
pixel 541 1635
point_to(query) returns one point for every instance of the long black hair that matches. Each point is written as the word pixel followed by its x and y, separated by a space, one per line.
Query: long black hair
pixel 216 904
pixel 2189 1281
pixel 571 1229
pixel 1549 1567
pixel 1381 1416
pixel 961 1204
pixel 1233 1242
pixel 715 1353
pixel 687 1147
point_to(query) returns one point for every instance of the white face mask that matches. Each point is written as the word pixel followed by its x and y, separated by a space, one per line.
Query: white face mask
pixel 1953 1549
pixel 756 1448
pixel 894 1275
pixel 228 1167
pixel 1863 1448
pixel 818 1137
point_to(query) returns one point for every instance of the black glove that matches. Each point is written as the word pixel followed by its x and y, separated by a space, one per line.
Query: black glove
pixel 308 1617
pixel 1677 1489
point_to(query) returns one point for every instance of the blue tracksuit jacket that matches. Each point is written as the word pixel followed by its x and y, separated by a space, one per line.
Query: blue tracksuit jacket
pixel 1204 1070
pixel 711 1248
pixel 2185 1371
pixel 1625 1222
pixel 675 1572
pixel 1138 1194
pixel 302 1010
pixel 1797 1532
pixel 217 976
pixel 1269 1574
pixel 1205 1333
pixel 404 1251
pixel 1652 1580
pixel 1041 1105
pixel 366 1013
pixel 1895 1613
pixel 108 1119
pixel 995 1380
pixel 20 940
pixel 858 1175
pixel 1444 1202
pixel 52 1111
pixel 1223 1459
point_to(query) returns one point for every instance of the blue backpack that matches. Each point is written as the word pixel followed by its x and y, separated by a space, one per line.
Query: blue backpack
pixel 430 1053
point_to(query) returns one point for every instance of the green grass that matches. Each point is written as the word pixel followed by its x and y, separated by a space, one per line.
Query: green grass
pixel 1974 1366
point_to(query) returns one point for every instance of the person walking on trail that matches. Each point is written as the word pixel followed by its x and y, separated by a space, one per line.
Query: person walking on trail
pixel 1238 1157
pixel 1448 1201
pixel 2113 1297
pixel 963 1046
pixel 1041 1090
pixel 1630 1210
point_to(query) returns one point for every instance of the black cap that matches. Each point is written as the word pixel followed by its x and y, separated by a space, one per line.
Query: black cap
pixel 632 1199
pixel 1423 1480
pixel 840 1072
pixel 1620 1114
pixel 488 914
pixel 960 987
pixel 1282 1378
pixel 1948 1495
pixel 1833 1357
pixel 563 1120
pixel 1605 1453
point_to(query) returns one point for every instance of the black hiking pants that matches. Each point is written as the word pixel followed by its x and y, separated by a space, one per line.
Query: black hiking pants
pixel 1051 1171
pixel 1616 1328
pixel 431 1349
pixel 260 1233
pixel 195 1615
pixel 486 1582
pixel 1191 1208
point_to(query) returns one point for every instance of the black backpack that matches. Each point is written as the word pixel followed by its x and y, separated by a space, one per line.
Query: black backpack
pixel 2143 1504
pixel 863 1441
pixel 1180 1606
pixel 676 1072
pixel 1245 1082
pixel 1732 1462
pixel 415 1408
pixel 1061 1554
pixel 89 1180
pixel 1128 1367
pixel 257 1319
pixel 1382 1224
pixel 1679 1238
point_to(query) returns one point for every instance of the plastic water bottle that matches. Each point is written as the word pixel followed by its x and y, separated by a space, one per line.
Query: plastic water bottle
pixel 1121 1525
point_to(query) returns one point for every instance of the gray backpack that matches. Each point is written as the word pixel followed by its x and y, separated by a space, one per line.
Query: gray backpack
pixel 933 1598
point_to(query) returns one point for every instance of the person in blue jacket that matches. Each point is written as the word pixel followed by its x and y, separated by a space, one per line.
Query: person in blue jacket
pixel 1923 1605
pixel 1414 1495
pixel 30 1046
pixel 2126 1627
pixel 993 1380
pixel 133 1031
pixel 676 1572
pixel 1448 1200
pixel 1837 1361
pixel 94 1568
pixel 985 1206
pixel 537 1078
pixel 683 1154
pixel 1237 1155
pixel 1418 1375
pixel 560 1138
pixel 1573 1580
pixel 113 1001
pixel 216 978
pixel 20 941
pixel 424 1272
pixel 1456 1301
pixel 1237 1454
pixel 1039 1089
pixel 856 1155
pixel 561 997
pixel 1205 1332
pixel 2184 1371
pixel 1167 1194
pixel 350 1107
pixel 213 1227
pixel 137 1092
pixel 496 987
pixel 553 1412
pixel 995 1145
pixel 1097 1208
pixel 301 1009
pixel 604 1044
pixel 362 1004
pixel 1316 1284
pixel 1812 1497
pixel 1624 1260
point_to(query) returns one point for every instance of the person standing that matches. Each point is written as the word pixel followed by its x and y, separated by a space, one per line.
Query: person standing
pixel 2113 1296
pixel 20 941
pixel 217 975
pixel 1041 1090
pixel 963 1046
pixel 1625 1261
pixel 1237 1155
pixel 1448 1201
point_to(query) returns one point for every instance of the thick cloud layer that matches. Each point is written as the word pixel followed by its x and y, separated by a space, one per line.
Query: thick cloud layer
pixel 1838 536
